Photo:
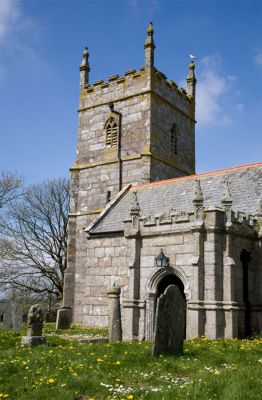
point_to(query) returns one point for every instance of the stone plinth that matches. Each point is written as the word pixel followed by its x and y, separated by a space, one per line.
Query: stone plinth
pixel 33 340
pixel 115 325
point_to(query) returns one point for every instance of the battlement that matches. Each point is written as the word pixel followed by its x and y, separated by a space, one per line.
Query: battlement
pixel 116 88
pixel 214 218
pixel 132 83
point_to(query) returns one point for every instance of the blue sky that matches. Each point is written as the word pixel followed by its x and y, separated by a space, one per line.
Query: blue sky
pixel 41 45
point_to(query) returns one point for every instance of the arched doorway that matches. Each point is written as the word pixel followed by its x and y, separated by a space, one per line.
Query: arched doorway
pixel 159 280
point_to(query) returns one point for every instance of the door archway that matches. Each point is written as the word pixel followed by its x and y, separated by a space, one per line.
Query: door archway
pixel 159 280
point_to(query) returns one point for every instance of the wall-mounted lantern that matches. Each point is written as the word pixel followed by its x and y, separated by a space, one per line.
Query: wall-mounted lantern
pixel 161 260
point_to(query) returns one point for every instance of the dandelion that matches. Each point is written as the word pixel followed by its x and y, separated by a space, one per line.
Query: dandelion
pixel 51 380
pixel 130 397
pixel 99 360
pixel 117 363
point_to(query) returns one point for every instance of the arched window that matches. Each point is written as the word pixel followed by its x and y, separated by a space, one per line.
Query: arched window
pixel 111 133
pixel 174 140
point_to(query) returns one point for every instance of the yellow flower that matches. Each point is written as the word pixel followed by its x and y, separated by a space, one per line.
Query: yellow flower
pixel 117 363
pixel 51 380
pixel 130 397
pixel 99 360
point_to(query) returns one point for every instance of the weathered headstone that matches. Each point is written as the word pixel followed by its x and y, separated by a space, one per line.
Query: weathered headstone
pixel 114 323
pixel 17 313
pixel 35 321
pixel 169 323
pixel 12 316
pixel 7 317
pixel 64 318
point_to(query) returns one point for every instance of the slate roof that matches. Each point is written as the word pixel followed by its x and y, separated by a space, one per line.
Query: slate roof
pixel 155 198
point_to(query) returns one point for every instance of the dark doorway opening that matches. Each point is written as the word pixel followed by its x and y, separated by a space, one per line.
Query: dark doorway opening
pixel 170 280
pixel 245 258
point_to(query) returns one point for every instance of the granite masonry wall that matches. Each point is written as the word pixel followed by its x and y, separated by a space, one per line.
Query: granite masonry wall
pixel 203 255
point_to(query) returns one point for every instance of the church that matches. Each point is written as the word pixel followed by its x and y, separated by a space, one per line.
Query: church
pixel 142 219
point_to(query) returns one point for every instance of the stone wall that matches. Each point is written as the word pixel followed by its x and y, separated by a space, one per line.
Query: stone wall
pixel 199 257
pixel 103 265
pixel 171 106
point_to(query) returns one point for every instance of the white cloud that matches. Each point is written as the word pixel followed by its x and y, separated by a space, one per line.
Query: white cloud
pixel 18 35
pixel 214 91
pixel 9 13
pixel 239 107
pixel 258 58
pixel 152 6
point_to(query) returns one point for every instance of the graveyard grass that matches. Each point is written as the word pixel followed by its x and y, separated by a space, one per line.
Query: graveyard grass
pixel 67 370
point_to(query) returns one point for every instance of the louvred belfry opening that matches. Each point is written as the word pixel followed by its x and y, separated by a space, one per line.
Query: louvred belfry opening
pixel 111 133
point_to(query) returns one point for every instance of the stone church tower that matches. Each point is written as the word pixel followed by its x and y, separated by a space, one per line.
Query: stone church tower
pixel 133 129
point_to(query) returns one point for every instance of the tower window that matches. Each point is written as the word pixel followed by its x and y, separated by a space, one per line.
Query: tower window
pixel 174 139
pixel 111 133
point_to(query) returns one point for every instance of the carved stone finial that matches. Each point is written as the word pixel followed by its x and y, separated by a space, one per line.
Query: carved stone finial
pixel 135 208
pixel 191 80
pixel 227 201
pixel 198 195
pixel 84 68
pixel 226 196
pixel 198 201
pixel 149 47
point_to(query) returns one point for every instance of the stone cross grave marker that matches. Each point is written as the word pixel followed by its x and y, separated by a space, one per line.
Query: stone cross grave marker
pixel 169 323
pixel 34 326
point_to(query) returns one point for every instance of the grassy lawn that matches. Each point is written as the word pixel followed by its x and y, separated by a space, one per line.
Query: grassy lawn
pixel 66 370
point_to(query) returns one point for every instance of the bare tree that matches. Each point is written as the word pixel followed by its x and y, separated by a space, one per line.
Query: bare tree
pixel 34 239
pixel 10 185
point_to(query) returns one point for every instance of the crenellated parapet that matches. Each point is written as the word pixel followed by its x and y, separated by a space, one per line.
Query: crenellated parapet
pixel 133 83
pixel 213 219
pixel 115 89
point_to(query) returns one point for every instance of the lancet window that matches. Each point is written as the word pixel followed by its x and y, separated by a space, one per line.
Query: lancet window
pixel 111 133
pixel 174 140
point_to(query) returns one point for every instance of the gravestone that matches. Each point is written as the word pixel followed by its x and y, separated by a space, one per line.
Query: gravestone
pixel 64 318
pixel 169 323
pixel 17 314
pixel 114 323
pixel 35 321
pixel 12 316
